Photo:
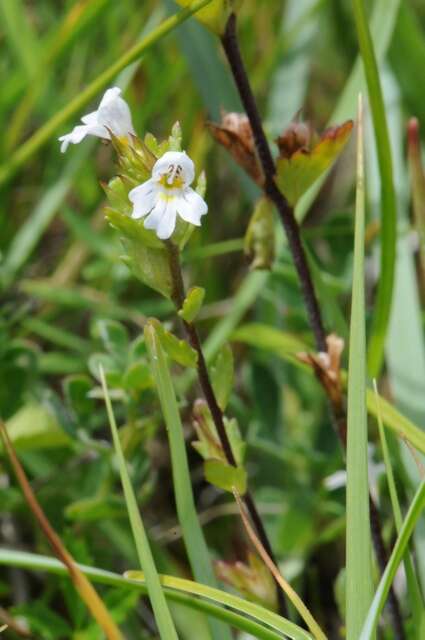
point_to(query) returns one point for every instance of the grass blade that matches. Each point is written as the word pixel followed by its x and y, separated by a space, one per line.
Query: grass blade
pixel 418 504
pixel 382 310
pixel 42 135
pixel 193 536
pixel 162 614
pixel 359 586
pixel 415 596
pixel 173 588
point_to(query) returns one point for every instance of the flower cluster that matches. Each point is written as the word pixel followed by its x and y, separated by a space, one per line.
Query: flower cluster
pixel 167 194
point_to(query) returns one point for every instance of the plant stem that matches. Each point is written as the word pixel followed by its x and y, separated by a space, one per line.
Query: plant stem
pixel 286 213
pixel 231 47
pixel 178 297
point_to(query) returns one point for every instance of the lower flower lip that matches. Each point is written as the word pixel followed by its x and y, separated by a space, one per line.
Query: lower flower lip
pixel 170 192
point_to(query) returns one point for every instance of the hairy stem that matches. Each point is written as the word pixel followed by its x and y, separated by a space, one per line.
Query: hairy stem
pixel 178 296
pixel 286 213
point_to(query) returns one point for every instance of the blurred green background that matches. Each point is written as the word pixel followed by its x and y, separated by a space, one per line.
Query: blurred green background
pixel 68 302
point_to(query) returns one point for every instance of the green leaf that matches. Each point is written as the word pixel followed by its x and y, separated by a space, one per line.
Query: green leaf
pixel 192 304
pixel 35 427
pixel 208 444
pixel 193 536
pixel 150 266
pixel 222 373
pixel 131 229
pixel 359 585
pixel 225 476
pixel 418 504
pixel 114 337
pixel 237 443
pixel 156 595
pixel 216 14
pixel 138 377
pixel 146 255
pixel 296 174
pixel 76 389
pixel 175 139
pixel 112 371
pixel 178 350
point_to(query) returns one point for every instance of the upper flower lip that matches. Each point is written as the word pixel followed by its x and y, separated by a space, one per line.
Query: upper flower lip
pixel 168 194
pixel 176 162
pixel 112 116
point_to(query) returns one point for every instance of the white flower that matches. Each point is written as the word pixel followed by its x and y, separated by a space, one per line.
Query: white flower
pixel 113 115
pixel 168 194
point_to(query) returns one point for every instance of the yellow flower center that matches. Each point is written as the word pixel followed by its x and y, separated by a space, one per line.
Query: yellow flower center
pixel 173 177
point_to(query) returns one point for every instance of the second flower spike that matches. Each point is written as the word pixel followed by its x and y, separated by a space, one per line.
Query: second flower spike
pixel 168 194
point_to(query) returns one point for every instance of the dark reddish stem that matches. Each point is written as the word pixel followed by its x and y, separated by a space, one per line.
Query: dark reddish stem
pixel 286 213
pixel 178 296
pixel 231 47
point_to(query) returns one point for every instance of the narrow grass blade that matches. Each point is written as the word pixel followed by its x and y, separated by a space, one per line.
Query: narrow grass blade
pixel 372 619
pixel 415 596
pixel 42 135
pixel 173 589
pixel 160 608
pixel 382 310
pixel 85 589
pixel 359 587
pixel 193 536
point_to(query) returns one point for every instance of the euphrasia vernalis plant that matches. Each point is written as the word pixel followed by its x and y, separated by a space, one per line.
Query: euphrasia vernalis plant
pixel 155 209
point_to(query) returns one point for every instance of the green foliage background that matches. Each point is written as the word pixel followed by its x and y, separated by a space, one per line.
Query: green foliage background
pixel 68 303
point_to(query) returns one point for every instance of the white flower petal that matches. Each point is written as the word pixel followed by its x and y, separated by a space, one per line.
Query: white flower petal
pixel 174 159
pixel 90 118
pixel 113 114
pixel 116 116
pixel 154 218
pixel 167 223
pixel 191 207
pixel 109 96
pixel 142 190
pixel 74 137
pixel 143 198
